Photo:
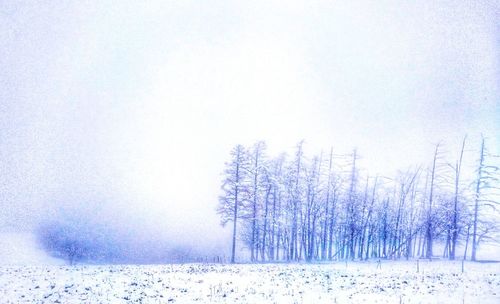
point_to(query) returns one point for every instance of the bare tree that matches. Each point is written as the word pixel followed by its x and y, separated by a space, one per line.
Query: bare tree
pixel 454 227
pixel 429 232
pixel 485 196
pixel 257 169
pixel 295 197
pixel 304 209
pixel 234 188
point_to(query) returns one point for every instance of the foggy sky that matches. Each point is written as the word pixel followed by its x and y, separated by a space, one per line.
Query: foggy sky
pixel 127 111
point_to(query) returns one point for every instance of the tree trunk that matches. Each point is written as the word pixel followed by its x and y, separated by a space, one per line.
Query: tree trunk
pixel 429 232
pixel 454 228
pixel 476 202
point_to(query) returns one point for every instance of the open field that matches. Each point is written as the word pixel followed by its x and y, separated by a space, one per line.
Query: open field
pixel 389 282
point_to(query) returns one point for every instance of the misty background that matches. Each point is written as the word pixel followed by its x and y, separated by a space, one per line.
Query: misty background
pixel 116 117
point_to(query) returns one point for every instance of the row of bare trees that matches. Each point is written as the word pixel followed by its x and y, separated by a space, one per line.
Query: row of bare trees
pixel 322 207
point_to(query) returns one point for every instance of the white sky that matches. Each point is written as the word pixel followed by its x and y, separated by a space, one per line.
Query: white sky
pixel 141 103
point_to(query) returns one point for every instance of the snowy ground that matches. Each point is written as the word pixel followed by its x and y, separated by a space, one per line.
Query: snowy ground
pixel 392 282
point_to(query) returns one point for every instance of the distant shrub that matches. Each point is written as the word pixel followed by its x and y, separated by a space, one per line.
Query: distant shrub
pixel 87 240
pixel 76 241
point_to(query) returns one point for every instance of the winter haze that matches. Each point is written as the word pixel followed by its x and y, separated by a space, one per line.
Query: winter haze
pixel 120 115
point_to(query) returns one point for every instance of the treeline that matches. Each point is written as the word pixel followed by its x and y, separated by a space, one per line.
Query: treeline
pixel 322 207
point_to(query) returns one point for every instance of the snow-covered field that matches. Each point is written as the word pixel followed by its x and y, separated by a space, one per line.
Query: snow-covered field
pixel 389 282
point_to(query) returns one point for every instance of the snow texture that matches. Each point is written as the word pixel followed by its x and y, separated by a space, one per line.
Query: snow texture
pixel 387 282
